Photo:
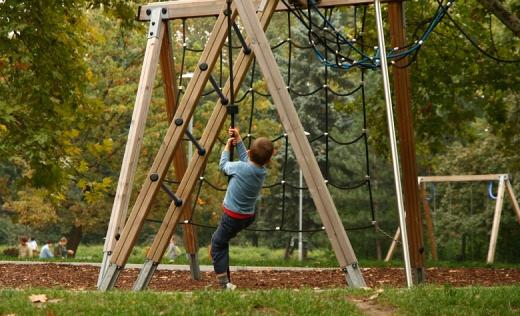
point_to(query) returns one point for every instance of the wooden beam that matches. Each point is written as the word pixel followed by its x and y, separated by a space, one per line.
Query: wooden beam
pixel 300 143
pixel 496 221
pixel 133 146
pixel 393 245
pixel 513 199
pixel 407 144
pixel 180 161
pixel 203 8
pixel 429 222
pixel 168 73
pixel 135 137
pixel 462 178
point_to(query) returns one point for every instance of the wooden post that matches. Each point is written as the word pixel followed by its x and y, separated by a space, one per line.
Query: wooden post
pixel 135 137
pixel 514 201
pixel 300 144
pixel 407 144
pixel 180 162
pixel 393 245
pixel 429 222
pixel 496 220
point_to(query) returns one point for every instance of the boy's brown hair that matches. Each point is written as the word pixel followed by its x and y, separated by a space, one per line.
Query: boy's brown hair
pixel 261 151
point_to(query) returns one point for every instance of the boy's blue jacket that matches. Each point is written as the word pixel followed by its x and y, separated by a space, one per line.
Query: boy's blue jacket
pixel 245 183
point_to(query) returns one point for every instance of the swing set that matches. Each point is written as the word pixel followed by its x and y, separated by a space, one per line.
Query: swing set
pixel 504 185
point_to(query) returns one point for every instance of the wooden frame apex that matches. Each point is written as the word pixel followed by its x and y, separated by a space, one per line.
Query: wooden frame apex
pixel 203 8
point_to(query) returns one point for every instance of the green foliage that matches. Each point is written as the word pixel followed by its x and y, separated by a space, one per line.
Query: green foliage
pixel 10 232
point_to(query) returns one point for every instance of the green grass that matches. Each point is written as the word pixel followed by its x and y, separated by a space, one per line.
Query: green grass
pixel 448 300
pixel 426 300
pixel 273 302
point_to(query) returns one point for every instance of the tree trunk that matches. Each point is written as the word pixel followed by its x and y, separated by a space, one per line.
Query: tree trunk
pixel 74 238
pixel 508 18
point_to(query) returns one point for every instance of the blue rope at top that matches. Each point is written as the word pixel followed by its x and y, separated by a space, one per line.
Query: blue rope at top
pixel 366 61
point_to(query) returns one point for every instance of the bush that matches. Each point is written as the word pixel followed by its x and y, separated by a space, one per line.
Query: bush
pixel 11 252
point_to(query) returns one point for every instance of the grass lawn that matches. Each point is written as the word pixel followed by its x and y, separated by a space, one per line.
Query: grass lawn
pixel 430 300
pixel 418 301
pixel 273 302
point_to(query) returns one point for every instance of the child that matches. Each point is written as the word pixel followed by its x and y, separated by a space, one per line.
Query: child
pixel 24 251
pixel 247 177
pixel 46 251
pixel 60 251
pixel 33 245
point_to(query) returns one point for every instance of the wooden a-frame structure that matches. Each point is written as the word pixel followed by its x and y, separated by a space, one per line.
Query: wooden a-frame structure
pixel 254 22
pixel 255 16
pixel 504 184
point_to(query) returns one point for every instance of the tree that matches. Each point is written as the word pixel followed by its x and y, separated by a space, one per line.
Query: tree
pixel 507 17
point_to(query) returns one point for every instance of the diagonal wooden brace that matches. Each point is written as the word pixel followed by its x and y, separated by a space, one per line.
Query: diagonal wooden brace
pixel 496 219
pixel 207 140
pixel 180 161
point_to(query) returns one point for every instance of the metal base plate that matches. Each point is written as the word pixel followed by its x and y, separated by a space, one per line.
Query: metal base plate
pixel 145 276
pixel 110 277
pixel 354 277
pixel 104 263
pixel 195 267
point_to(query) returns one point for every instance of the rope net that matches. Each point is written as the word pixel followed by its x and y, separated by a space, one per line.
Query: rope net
pixel 331 102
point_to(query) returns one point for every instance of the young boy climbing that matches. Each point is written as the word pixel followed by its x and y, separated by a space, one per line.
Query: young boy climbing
pixel 246 179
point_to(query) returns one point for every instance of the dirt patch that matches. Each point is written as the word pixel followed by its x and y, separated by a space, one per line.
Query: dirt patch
pixel 84 277
pixel 372 308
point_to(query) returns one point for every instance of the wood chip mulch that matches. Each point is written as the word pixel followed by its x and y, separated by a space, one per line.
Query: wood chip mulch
pixel 84 277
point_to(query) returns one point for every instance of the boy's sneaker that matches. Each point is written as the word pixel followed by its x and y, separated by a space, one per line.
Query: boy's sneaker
pixel 230 286
pixel 223 281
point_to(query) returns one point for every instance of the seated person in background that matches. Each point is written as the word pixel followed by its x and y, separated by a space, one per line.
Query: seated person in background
pixel 23 248
pixel 33 245
pixel 46 252
pixel 61 249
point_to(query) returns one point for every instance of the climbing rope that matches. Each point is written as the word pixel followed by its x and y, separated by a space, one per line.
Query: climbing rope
pixel 326 91
pixel 325 39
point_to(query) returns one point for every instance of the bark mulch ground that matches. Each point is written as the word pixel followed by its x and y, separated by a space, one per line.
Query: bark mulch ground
pixel 85 277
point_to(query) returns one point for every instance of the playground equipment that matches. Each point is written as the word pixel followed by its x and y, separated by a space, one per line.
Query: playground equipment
pixel 255 17
pixel 504 185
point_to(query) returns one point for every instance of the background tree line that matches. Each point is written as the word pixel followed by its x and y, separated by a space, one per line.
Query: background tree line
pixel 68 78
